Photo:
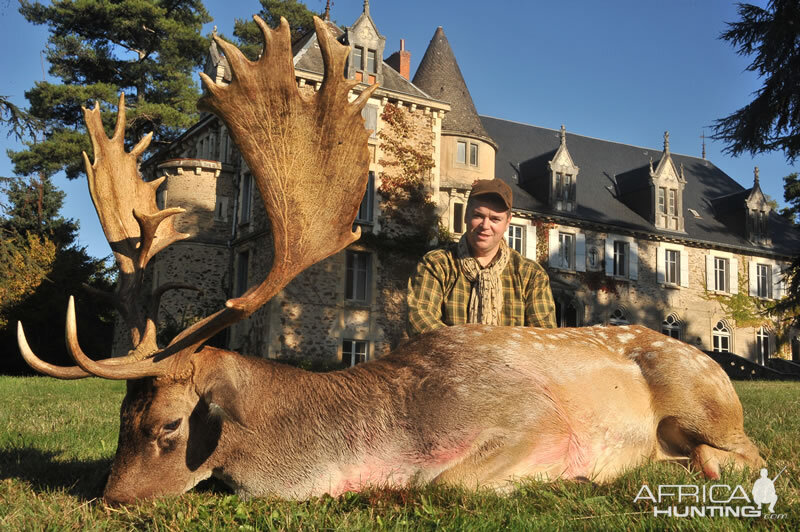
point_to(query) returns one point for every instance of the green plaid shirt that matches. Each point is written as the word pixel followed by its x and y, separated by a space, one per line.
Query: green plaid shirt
pixel 438 293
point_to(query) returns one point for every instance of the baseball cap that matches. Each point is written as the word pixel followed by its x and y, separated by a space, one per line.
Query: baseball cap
pixel 497 187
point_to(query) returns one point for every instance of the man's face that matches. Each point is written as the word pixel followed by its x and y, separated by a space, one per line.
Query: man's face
pixel 487 221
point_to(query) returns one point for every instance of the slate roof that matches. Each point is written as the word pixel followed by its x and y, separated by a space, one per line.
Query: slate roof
pixel 524 151
pixel 308 57
pixel 438 74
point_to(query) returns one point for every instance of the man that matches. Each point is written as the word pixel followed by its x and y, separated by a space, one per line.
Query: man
pixel 480 279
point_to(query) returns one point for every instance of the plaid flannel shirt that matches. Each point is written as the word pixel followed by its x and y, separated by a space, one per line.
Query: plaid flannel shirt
pixel 438 293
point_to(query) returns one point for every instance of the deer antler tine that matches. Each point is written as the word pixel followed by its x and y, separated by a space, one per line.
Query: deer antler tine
pixel 45 367
pixel 120 371
pixel 119 129
pixel 236 59
pixel 148 224
pixel 142 145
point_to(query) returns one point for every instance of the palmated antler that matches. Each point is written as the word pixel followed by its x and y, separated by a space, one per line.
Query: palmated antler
pixel 310 159
pixel 136 230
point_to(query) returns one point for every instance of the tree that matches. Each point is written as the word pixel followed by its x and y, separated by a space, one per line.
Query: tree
pixel 299 17
pixel 771 122
pixel 40 267
pixel 148 49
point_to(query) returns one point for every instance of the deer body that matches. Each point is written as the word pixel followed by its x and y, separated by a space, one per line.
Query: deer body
pixel 470 405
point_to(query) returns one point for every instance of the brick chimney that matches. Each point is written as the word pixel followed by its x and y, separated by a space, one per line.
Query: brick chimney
pixel 401 60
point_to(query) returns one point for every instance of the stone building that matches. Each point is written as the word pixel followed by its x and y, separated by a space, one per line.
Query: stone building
pixel 628 234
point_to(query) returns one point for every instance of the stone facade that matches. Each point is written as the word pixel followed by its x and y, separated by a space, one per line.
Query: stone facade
pixel 351 306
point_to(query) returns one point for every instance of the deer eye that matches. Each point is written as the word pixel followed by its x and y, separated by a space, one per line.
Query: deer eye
pixel 172 425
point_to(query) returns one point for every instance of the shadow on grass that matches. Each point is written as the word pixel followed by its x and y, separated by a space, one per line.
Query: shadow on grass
pixel 84 479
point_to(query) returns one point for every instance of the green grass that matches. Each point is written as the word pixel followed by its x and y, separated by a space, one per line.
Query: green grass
pixel 57 439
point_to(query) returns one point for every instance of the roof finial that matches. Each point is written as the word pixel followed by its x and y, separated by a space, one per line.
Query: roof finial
pixel 703 136
pixel 666 142
pixel 327 16
pixel 563 134
pixel 366 7
pixel 755 177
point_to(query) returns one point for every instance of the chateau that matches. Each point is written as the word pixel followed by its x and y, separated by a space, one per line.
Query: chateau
pixel 628 234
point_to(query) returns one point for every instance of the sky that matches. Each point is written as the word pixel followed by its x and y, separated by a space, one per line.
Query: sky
pixel 619 70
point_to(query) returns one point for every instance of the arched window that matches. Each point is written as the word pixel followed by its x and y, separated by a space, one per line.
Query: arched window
pixel 671 326
pixel 619 317
pixel 721 335
pixel 567 314
pixel 762 345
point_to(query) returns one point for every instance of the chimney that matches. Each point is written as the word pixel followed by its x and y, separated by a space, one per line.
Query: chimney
pixel 401 60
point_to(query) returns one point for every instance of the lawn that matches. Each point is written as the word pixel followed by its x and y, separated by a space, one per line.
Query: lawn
pixel 57 439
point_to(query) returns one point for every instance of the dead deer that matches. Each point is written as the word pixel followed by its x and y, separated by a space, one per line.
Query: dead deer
pixel 470 405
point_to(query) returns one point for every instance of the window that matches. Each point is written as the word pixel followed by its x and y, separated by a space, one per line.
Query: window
pixel 764 280
pixel 566 251
pixel 516 237
pixel 662 200
pixel 357 276
pixel 473 154
pixel 671 326
pixel 721 267
pixel 458 218
pixel 619 317
pixel 721 335
pixel 672 209
pixel 672 270
pixel 221 209
pixel 762 346
pixel 358 58
pixel 354 352
pixel 365 210
pixel 621 258
pixel 242 260
pixel 372 64
pixel 566 314
pixel 461 152
pixel 247 198
pixel 370 114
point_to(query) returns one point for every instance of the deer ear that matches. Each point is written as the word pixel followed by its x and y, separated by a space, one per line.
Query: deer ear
pixel 221 391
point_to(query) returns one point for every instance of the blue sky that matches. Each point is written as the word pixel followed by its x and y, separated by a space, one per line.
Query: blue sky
pixel 621 70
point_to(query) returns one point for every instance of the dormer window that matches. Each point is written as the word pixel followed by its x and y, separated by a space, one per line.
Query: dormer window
pixel 757 214
pixel 372 64
pixel 563 178
pixel 667 184
pixel 358 58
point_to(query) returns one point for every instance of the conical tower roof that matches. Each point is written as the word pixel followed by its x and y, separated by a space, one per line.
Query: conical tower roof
pixel 439 76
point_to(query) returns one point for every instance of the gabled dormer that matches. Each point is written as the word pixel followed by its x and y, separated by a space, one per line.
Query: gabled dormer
pixel 366 54
pixel 216 66
pixel 757 224
pixel 667 183
pixel 563 178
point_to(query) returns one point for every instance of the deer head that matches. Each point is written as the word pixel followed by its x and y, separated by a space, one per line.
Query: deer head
pixel 310 161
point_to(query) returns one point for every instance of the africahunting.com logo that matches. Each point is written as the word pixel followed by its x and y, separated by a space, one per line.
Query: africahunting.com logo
pixel 717 500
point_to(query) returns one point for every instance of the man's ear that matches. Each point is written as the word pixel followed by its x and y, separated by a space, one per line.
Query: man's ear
pixel 221 391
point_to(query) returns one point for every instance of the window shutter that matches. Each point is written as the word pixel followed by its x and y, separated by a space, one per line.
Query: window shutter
pixel 530 242
pixel 580 252
pixel 777 282
pixel 753 279
pixel 553 244
pixel 709 272
pixel 734 275
pixel 684 268
pixel 609 252
pixel 660 265
pixel 633 261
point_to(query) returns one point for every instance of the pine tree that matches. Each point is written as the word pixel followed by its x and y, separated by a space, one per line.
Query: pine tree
pixel 299 17
pixel 146 48
pixel 771 122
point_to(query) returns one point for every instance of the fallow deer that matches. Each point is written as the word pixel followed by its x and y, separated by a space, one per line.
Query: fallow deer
pixel 470 405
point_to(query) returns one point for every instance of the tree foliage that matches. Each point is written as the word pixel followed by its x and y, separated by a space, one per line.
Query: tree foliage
pixel 771 122
pixel 299 17
pixel 40 267
pixel 97 48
